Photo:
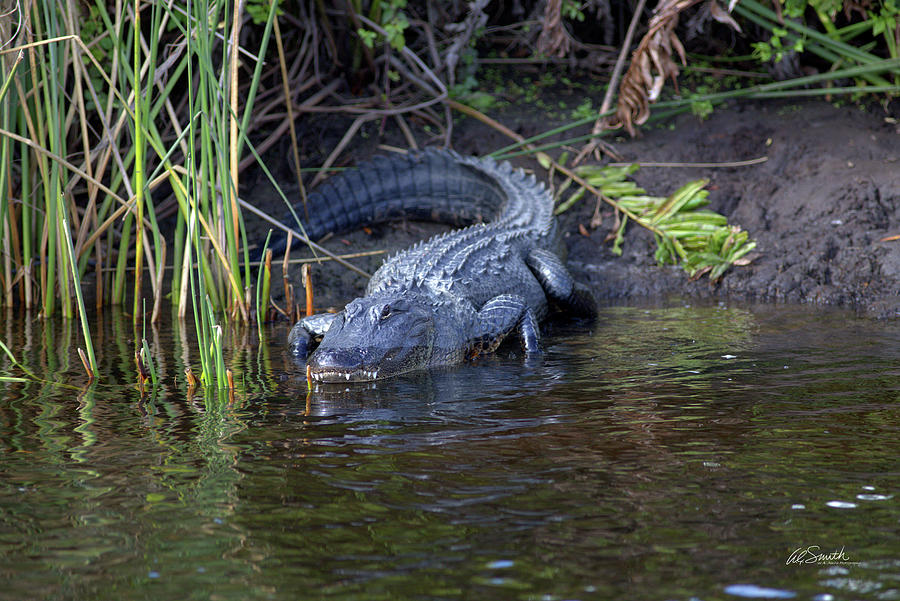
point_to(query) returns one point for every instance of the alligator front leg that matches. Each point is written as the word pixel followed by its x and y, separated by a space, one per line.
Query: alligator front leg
pixel 559 285
pixel 498 318
pixel 304 330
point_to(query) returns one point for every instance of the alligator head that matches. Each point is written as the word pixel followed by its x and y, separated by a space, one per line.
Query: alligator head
pixel 376 336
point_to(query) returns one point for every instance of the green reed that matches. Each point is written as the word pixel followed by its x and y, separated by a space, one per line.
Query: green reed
pixel 82 313
pixel 832 44
pixel 211 189
pixel 92 123
pixel 263 285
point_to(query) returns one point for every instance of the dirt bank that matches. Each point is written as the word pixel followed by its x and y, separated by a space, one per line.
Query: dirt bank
pixel 820 206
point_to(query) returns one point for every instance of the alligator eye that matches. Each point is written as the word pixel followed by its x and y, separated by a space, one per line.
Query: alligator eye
pixel 386 312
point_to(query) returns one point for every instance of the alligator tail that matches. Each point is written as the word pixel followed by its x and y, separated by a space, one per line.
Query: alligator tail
pixel 434 185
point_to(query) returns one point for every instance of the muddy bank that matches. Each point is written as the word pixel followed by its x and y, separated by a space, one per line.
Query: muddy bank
pixel 819 207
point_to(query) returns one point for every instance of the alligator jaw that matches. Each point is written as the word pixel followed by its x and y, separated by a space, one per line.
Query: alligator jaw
pixel 378 336
pixel 339 376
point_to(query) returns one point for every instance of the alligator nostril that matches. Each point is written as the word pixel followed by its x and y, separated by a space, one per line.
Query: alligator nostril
pixel 331 359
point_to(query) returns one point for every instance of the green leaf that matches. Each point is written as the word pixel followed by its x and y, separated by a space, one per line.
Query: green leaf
pixel 367 37
pixel 683 195
pixel 575 197
pixel 620 237
pixel 698 239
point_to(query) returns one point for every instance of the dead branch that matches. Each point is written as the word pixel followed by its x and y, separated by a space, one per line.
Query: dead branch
pixel 651 65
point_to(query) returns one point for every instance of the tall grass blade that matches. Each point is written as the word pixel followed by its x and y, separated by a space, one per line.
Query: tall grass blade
pixel 85 326
pixel 138 166
pixel 263 284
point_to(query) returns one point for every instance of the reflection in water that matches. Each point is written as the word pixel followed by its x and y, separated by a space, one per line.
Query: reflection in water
pixel 660 453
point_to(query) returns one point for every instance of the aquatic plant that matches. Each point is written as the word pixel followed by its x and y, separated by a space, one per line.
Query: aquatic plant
pixel 132 140
pixel 698 239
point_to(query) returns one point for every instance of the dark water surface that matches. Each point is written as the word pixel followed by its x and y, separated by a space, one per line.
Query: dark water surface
pixel 676 452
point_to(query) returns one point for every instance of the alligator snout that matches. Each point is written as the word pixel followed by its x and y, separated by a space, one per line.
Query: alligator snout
pixel 339 365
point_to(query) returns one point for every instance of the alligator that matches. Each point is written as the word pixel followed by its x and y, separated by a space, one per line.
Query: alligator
pixel 453 297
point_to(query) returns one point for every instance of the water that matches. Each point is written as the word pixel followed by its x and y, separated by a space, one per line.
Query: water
pixel 664 452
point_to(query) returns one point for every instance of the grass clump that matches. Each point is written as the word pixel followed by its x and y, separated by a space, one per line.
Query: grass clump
pixel 687 233
pixel 98 116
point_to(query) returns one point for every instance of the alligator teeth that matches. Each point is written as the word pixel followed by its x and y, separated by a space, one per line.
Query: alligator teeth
pixel 357 375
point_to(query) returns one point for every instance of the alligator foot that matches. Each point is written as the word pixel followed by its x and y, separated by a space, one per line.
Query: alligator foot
pixel 500 316
pixel 559 285
pixel 301 335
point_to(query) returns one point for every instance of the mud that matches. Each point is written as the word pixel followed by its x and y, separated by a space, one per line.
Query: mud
pixel 822 206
